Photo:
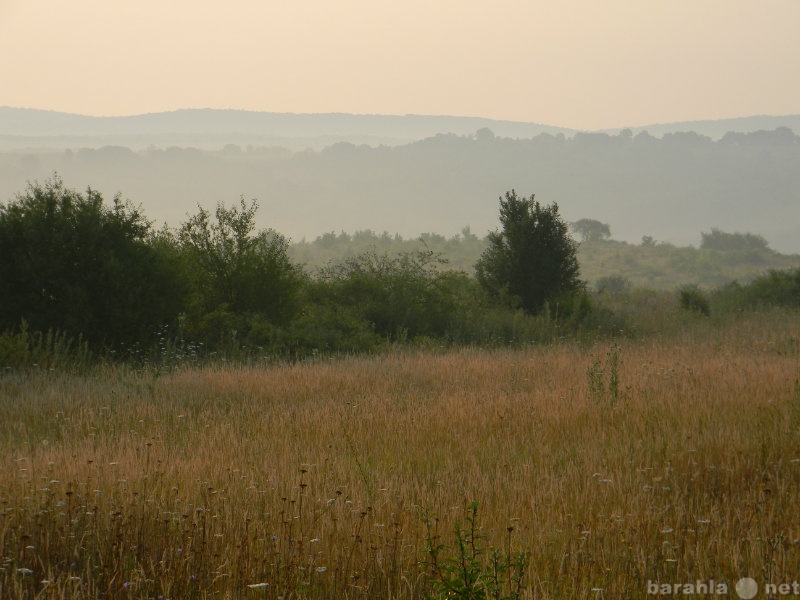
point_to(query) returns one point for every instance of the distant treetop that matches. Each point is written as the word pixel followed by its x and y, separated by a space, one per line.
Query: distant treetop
pixel 720 240
pixel 591 230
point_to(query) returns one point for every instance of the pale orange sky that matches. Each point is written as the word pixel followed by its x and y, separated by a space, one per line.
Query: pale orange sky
pixel 575 63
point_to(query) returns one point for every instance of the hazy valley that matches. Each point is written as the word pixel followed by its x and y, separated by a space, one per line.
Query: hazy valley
pixel 329 173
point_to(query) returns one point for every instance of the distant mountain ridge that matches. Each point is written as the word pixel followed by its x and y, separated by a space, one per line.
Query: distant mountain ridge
pixel 23 123
pixel 670 188
pixel 30 122
pixel 715 129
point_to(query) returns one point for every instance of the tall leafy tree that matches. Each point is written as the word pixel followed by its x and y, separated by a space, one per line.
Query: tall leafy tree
pixel 73 264
pixel 591 230
pixel 237 272
pixel 531 260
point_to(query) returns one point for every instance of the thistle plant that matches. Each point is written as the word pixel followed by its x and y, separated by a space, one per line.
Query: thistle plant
pixel 467 570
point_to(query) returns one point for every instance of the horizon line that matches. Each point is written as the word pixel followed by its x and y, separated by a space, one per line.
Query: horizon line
pixel 394 115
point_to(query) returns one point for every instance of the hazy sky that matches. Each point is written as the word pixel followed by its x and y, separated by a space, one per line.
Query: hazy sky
pixel 574 63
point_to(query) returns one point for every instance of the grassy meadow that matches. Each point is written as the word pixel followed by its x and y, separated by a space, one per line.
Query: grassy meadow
pixel 566 470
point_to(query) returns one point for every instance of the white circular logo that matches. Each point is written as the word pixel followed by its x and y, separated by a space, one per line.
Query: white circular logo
pixel 746 588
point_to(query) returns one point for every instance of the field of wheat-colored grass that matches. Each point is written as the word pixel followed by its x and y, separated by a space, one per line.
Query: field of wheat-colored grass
pixel 669 459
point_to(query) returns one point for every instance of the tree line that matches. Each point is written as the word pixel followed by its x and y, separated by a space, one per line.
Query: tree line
pixel 719 258
pixel 218 286
pixel 103 281
pixel 667 186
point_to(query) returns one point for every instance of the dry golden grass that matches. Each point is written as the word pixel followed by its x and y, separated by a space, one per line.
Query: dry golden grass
pixel 315 478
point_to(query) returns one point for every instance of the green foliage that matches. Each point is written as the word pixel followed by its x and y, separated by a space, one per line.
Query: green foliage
pixel 400 297
pixel 531 259
pixel 470 571
pixel 650 264
pixel 217 288
pixel 325 328
pixel 693 299
pixel 613 284
pixel 775 288
pixel 461 250
pixel 240 278
pixel 23 349
pixel 665 267
pixel 73 265
pixel 720 240
pixel 648 241
pixel 498 326
pixel 591 230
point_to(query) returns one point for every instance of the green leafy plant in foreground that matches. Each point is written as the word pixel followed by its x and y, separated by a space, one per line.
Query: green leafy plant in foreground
pixel 468 570
pixel 25 349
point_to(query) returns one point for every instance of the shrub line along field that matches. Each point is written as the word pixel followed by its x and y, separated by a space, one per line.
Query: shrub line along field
pixel 597 469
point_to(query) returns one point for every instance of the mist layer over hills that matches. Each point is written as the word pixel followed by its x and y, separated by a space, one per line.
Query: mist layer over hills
pixel 318 173
pixel 206 128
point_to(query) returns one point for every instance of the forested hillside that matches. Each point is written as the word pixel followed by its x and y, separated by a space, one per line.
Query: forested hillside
pixel 84 280
pixel 669 188
pixel 649 264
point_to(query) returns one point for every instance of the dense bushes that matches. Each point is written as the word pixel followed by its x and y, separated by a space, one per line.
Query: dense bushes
pixel 73 265
pixel 80 280
pixel 775 289
pixel 402 297
pixel 45 350
pixel 721 240
pixel 693 299
pixel 241 281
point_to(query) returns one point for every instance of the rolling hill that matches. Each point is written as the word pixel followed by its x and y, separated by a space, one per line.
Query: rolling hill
pixel 416 174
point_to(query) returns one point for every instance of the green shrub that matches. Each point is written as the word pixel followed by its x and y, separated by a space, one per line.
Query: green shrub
pixel 23 349
pixel 693 299
pixel 775 289
pixel 72 264
pixel 468 570
pixel 240 278
pixel 327 329
pixel 613 284
pixel 400 297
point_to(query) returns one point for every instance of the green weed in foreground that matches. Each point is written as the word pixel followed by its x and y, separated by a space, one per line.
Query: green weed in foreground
pixel 468 570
